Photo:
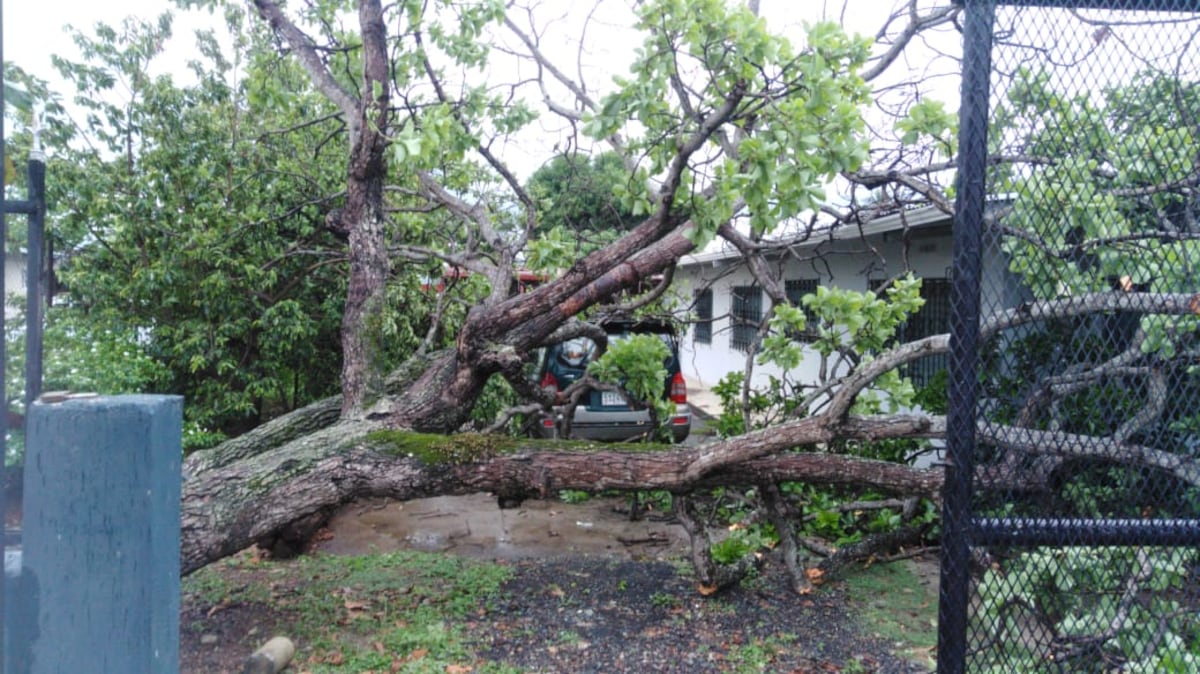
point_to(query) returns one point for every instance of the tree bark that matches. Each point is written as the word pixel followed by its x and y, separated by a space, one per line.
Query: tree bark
pixel 228 508
pixel 301 465
pixel 368 117
pixel 365 218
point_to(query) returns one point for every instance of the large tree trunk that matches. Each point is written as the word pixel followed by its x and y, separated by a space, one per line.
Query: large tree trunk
pixel 367 117
pixel 365 218
pixel 344 448
pixel 229 507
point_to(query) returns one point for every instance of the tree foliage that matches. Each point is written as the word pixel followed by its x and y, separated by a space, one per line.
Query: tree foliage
pixel 577 207
pixel 195 214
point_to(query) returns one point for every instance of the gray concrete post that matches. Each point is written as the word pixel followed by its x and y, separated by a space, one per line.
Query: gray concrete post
pixel 99 583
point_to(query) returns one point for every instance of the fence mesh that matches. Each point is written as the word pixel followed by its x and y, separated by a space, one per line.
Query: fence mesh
pixel 1084 548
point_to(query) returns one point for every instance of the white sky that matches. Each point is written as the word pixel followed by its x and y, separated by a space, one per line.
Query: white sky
pixel 34 30
pixel 31 34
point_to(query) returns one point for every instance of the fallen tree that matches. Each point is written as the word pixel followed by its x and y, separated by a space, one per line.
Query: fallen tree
pixel 314 459
pixel 724 130
pixel 245 491
pixel 229 508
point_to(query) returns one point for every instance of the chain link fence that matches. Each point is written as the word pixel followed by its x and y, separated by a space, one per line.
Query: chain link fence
pixel 1073 510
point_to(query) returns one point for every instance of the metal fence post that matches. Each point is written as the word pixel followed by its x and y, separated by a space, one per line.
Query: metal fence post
pixel 35 286
pixel 964 325
pixel 99 586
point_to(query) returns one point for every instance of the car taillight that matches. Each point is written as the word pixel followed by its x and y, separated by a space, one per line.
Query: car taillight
pixel 681 420
pixel 678 389
pixel 550 381
pixel 548 422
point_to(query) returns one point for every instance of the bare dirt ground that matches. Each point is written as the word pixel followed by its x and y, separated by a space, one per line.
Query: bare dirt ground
pixel 592 592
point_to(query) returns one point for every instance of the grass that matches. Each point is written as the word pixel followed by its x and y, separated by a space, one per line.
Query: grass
pixel 665 600
pixel 412 612
pixel 760 654
pixel 894 605
pixel 395 612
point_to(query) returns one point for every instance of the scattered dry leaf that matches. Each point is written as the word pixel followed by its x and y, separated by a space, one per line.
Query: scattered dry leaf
pixel 355 609
pixel 707 590
pixel 216 609
pixel 459 669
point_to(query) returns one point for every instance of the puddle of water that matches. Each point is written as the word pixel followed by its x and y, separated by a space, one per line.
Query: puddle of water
pixel 475 526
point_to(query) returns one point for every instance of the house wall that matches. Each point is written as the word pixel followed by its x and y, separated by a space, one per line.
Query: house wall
pixel 845 264
pixel 14 281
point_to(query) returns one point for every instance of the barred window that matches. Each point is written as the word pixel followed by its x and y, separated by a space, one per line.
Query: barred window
pixel 746 314
pixel 933 318
pixel 795 290
pixel 703 304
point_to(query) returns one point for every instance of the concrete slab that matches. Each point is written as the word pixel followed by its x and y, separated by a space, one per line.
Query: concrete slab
pixel 703 401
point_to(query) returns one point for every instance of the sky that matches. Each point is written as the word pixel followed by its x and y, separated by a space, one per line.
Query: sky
pixel 32 34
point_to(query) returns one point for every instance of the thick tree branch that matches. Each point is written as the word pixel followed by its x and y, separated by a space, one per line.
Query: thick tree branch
pixel 228 507
pixel 1074 446
pixel 1156 403
pixel 1173 304
pixel 660 288
pixel 306 52
pixel 863 375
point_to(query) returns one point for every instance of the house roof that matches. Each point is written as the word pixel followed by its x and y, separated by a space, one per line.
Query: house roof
pixel 925 217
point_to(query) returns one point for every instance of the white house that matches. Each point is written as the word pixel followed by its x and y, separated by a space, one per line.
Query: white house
pixel 14 281
pixel 728 305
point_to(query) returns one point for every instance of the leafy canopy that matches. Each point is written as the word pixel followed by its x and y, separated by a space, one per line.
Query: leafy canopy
pixel 1112 209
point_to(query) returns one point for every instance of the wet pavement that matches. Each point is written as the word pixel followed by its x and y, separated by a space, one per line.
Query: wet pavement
pixel 475 526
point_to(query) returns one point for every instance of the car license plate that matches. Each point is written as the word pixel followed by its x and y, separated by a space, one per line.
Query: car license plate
pixel 611 398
